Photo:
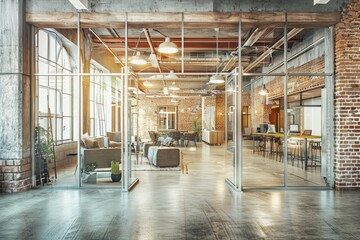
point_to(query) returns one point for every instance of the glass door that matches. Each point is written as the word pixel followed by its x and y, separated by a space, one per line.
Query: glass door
pixel 233 126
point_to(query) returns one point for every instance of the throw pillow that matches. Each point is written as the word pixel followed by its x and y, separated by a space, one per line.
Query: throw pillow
pixel 160 141
pixel 82 142
pixel 116 137
pixel 167 141
pixel 91 143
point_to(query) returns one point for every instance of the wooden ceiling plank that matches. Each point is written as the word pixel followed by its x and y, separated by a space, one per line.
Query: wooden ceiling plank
pixel 173 20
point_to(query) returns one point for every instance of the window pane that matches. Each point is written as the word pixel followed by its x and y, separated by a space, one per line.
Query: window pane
pixel 171 109
pixel 43 122
pixel 92 114
pixel 67 128
pixel 162 121
pixel 67 84
pixel 59 128
pixel 92 127
pixel 67 105
pixel 58 104
pixel 162 109
pixel 43 66
pixel 52 48
pixel 43 44
pixel 51 101
pixel 43 101
pixel 171 121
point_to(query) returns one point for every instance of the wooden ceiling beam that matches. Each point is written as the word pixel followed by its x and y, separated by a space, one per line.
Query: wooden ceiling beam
pixel 173 20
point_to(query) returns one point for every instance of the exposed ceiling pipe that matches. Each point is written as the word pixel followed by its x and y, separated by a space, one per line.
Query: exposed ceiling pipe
pixel 252 39
pixel 276 45
pixel 289 59
pixel 106 46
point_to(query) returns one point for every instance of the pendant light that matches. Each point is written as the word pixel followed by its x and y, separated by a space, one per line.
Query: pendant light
pixel 171 75
pixel 168 47
pixel 138 59
pixel 166 91
pixel 147 83
pixel 216 78
pixel 263 91
pixel 174 87
pixel 174 100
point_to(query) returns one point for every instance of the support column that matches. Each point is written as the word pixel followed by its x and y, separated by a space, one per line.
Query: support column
pixel 15 98
pixel 347 99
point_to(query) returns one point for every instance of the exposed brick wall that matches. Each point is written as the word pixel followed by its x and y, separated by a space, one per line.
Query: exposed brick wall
pixel 15 175
pixel 148 113
pixel 347 99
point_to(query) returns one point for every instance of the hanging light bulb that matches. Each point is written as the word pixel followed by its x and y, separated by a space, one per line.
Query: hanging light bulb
pixel 263 91
pixel 216 78
pixel 168 47
pixel 166 91
pixel 174 95
pixel 174 87
pixel 147 83
pixel 171 75
pixel 138 59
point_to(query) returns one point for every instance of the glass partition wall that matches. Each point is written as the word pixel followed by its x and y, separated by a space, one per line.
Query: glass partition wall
pixel 286 96
pixel 79 102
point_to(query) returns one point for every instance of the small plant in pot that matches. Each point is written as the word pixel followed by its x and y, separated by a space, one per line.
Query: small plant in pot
pixel 115 171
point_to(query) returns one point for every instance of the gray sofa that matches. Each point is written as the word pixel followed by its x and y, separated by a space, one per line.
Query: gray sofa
pixel 101 156
pixel 164 156
pixel 96 153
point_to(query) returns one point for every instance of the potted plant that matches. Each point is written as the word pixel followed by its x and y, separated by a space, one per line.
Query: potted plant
pixel 197 129
pixel 44 154
pixel 115 171
pixel 88 173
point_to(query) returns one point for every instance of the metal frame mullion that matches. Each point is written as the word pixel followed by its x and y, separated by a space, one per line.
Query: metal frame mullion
pixel 79 78
pixel 285 104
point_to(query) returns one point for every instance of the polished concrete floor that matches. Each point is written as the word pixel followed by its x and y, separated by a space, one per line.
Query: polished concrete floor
pixel 171 205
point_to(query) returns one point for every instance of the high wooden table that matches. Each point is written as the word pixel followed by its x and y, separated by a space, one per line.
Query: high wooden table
pixel 290 136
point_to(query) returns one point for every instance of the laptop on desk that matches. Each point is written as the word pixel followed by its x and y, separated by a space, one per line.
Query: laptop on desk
pixel 271 129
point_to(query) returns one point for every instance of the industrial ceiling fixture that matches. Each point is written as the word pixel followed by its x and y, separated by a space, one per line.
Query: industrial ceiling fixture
pixel 167 47
pixel 80 4
pixel 166 91
pixel 171 75
pixel 321 1
pixel 174 100
pixel 216 78
pixel 174 87
pixel 138 59
pixel 147 83
pixel 263 91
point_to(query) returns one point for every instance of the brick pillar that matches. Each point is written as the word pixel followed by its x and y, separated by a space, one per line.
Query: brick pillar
pixel 347 99
pixel 15 161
